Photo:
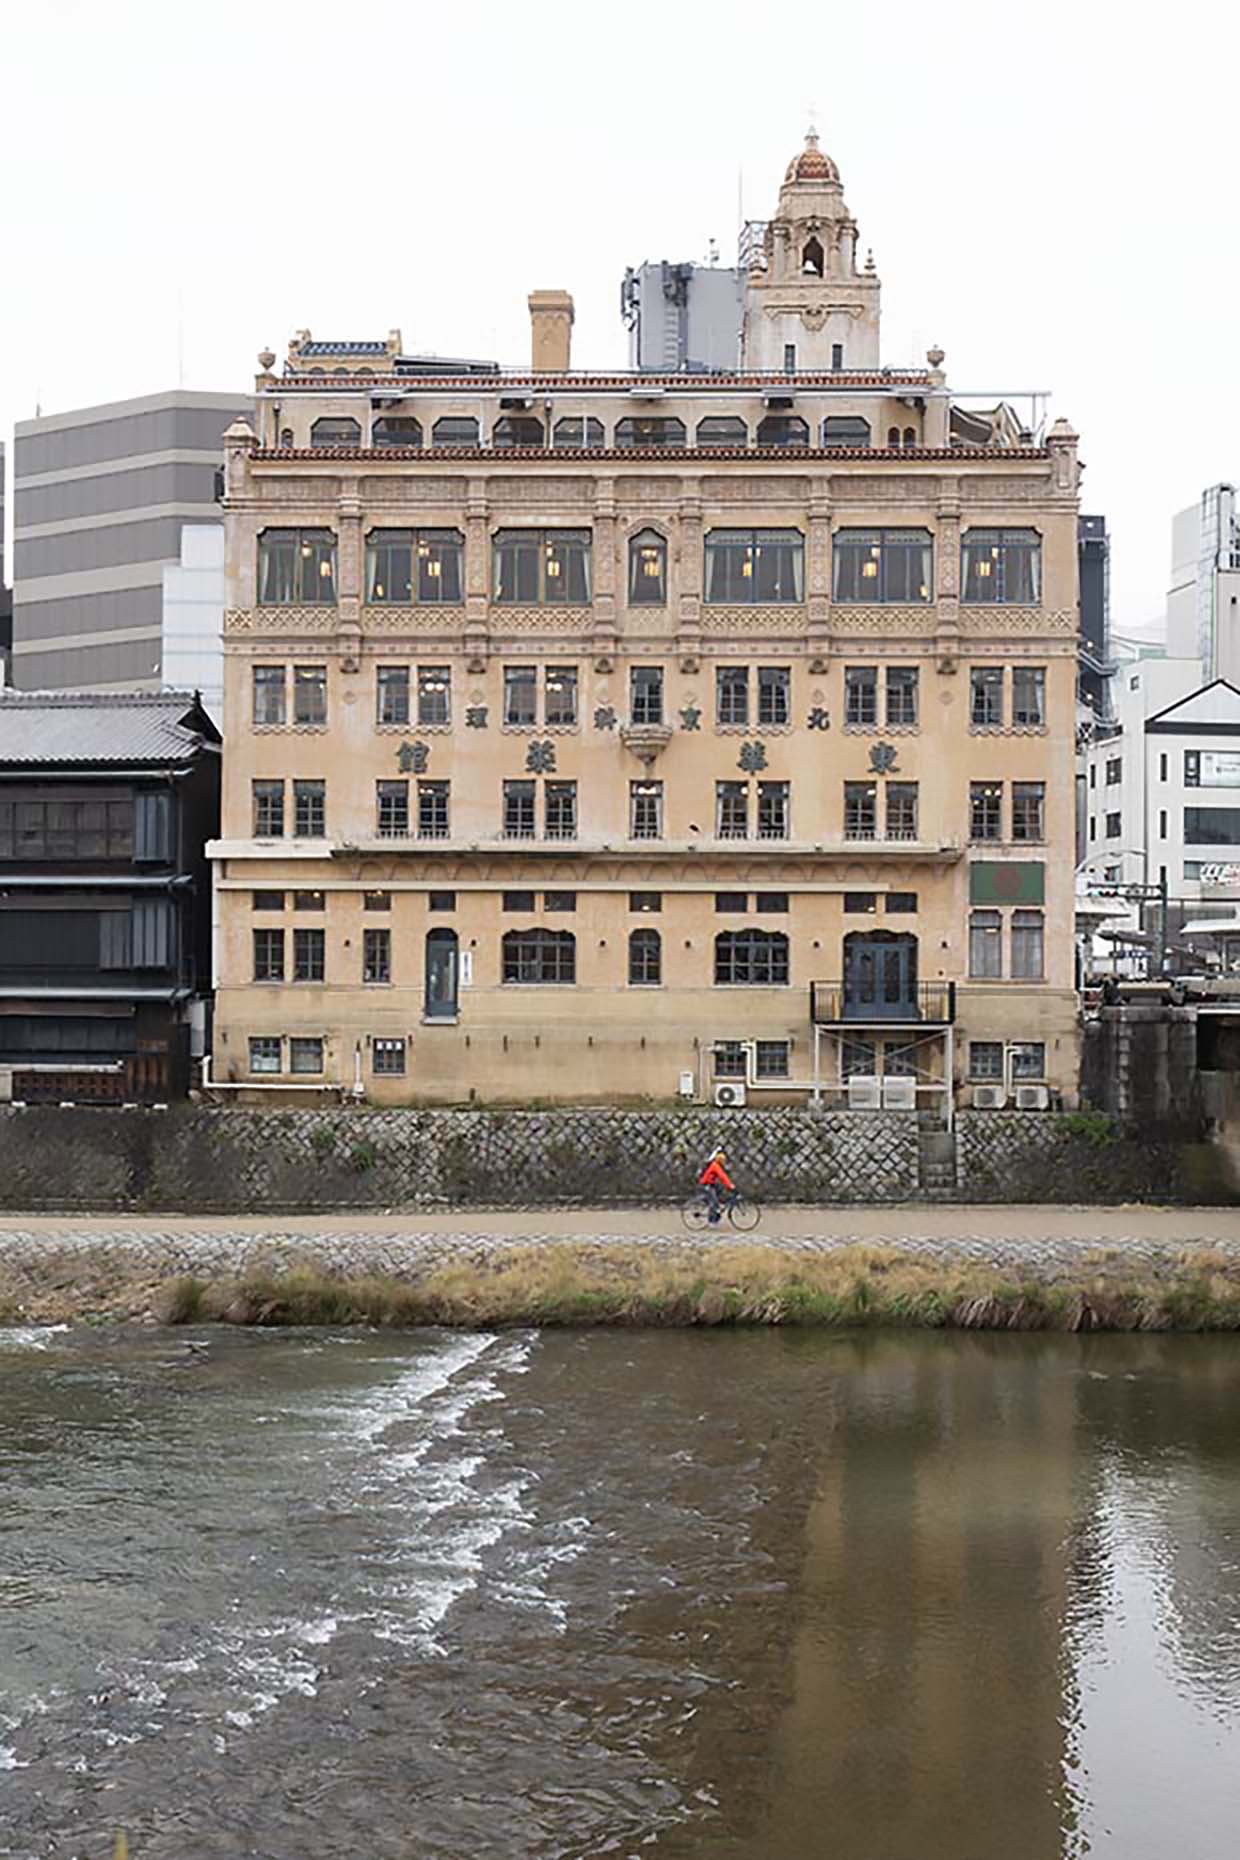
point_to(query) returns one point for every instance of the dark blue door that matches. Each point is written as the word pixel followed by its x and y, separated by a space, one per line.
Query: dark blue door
pixel 880 977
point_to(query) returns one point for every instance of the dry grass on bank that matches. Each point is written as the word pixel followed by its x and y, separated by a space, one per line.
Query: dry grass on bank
pixel 733 1285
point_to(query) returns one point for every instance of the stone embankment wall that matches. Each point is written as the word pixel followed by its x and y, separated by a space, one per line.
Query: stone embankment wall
pixel 198 1159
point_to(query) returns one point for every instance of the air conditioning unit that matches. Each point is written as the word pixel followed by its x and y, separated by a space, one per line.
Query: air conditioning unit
pixel 865 1094
pixel 899 1094
pixel 989 1097
pixel 731 1094
pixel 1032 1097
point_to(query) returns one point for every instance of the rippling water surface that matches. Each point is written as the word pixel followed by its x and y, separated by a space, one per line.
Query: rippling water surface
pixel 362 1597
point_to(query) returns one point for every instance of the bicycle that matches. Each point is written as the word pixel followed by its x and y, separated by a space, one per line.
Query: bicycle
pixel 743 1215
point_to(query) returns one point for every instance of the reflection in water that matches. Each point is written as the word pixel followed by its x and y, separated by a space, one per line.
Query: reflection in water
pixel 710 1597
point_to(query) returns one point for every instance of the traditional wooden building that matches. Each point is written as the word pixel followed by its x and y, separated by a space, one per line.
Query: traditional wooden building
pixel 106 805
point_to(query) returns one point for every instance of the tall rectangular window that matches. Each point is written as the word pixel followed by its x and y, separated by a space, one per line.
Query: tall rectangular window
pixel 269 688
pixel 860 810
pixel 296 568
pixel 985 810
pixel 750 567
pixel 1027 950
pixel 732 694
pixel 886 566
pixel 985 945
pixel 309 810
pixel 646 810
pixel 1115 771
pixel 1028 810
pixel 377 955
pixel 774 810
pixel 560 695
pixel 1001 566
pixel 434 694
pixel 432 810
pixel 646 694
pixel 901 810
pixel 774 694
pixel 860 694
pixel 560 810
pixel 392 693
pixel 309 955
pixel 392 799
pixel 986 697
pixel 519 810
pixel 732 810
pixel 520 695
pixel 407 565
pixel 901 694
pixel 268 955
pixel 1029 696
pixel 310 694
pixel 268 809
pixel 542 567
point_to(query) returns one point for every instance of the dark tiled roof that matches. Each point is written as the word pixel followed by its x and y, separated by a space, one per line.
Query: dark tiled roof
pixel 64 727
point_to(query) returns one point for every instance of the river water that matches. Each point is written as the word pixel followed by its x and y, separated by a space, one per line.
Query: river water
pixel 756 1596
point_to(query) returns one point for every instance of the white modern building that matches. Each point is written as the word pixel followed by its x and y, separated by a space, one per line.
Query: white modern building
pixel 1162 799
pixel 192 651
pixel 1203 600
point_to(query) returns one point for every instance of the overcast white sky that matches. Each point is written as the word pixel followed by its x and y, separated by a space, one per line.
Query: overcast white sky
pixel 1052 193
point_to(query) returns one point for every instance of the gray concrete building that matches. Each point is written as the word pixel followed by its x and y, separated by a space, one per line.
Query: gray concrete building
pixel 6 593
pixel 100 496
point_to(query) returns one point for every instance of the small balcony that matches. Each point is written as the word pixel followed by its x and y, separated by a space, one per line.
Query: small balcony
pixel 894 1003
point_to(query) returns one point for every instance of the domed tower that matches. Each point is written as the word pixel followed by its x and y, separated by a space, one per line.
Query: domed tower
pixel 808 304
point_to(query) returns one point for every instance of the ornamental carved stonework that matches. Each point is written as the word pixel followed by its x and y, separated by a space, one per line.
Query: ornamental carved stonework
pixel 521 492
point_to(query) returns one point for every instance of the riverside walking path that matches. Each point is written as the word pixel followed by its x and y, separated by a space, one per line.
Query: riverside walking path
pixel 421 1240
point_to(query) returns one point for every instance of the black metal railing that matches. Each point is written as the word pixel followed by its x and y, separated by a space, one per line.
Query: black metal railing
pixel 926 1004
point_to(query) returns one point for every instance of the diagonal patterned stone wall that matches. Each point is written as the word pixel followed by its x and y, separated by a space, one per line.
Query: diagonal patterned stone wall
pixel 196 1158
pixel 238 1160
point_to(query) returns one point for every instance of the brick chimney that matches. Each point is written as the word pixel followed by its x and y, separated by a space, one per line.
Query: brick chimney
pixel 551 327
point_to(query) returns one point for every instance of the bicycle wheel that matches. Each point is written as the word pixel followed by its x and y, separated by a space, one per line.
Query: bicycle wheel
pixel 695 1214
pixel 744 1215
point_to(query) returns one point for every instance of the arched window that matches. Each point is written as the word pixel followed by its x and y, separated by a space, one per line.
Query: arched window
pixel 783 429
pixel 442 968
pixel 647 569
pixel 396 429
pixel 335 432
pixel 652 430
pixel 811 258
pixel 846 430
pixel 539 956
pixel 756 958
pixel 455 430
pixel 645 959
pixel 517 429
pixel 893 437
pixel 573 433
pixel 722 430
pixel 910 436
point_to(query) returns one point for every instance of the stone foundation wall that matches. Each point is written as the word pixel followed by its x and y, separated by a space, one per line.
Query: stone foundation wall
pixel 197 1159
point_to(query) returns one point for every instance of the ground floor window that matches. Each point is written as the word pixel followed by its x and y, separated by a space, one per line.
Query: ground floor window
pixel 265 1053
pixel 387 1058
pixel 730 1059
pixel 1028 1059
pixel 305 1055
pixel 771 1059
pixel 986 1059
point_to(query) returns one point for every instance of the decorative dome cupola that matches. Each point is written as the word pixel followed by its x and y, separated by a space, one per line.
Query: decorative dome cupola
pixel 808 305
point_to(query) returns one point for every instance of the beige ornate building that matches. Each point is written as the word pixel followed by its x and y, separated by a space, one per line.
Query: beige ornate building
pixel 613 736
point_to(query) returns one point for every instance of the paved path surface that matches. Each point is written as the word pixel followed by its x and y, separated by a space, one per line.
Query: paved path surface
pixel 164 1245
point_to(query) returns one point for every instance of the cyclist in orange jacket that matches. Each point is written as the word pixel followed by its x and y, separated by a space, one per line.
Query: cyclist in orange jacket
pixel 713 1178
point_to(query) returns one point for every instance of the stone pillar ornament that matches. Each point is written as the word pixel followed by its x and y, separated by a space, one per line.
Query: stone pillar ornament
pixel 477 575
